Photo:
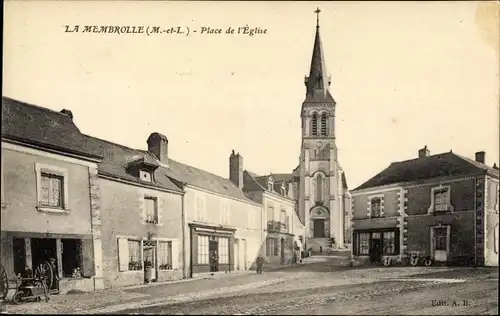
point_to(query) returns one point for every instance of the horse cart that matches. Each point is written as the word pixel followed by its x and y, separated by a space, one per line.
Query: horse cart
pixel 28 287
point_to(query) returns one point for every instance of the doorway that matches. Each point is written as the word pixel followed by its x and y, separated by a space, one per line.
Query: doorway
pixel 319 228
pixel 244 254
pixel 213 250
pixel 19 255
pixel 440 241
pixel 149 257
pixel 375 248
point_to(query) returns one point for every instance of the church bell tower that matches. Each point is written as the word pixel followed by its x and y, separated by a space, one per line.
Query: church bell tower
pixel 320 197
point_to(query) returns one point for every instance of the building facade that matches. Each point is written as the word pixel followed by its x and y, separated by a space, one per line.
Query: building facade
pixel 222 228
pixel 283 231
pixel 443 205
pixel 141 215
pixel 50 197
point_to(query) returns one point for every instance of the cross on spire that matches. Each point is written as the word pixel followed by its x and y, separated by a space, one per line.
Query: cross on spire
pixel 317 11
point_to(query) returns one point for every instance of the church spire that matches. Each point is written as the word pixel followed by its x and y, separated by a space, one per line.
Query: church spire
pixel 318 81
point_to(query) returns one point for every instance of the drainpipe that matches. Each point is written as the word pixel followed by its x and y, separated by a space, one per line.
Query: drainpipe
pixel 183 214
pixel 475 215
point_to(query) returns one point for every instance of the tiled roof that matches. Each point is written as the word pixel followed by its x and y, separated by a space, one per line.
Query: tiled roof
pixel 440 165
pixel 116 159
pixel 250 182
pixel 283 177
pixel 43 127
pixel 204 180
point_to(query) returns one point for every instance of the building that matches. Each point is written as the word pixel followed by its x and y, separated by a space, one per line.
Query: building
pixel 443 205
pixel 141 214
pixel 282 229
pixel 223 227
pixel 50 197
pixel 319 182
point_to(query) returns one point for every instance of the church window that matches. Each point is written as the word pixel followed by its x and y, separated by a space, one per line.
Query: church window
pixel 314 124
pixel 319 188
pixel 324 121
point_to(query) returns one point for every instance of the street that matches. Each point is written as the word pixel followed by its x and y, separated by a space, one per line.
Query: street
pixel 314 288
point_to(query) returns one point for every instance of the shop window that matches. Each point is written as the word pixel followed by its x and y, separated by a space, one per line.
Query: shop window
pixel 203 250
pixel 363 243
pixel 389 243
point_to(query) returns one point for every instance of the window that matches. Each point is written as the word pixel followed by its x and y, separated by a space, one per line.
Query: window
pixel 134 255
pixel 164 255
pixel 324 124
pixel 375 207
pixel 441 200
pixel 200 209
pixel 151 210
pixel 389 243
pixel 363 244
pixel 319 188
pixel 202 249
pixel 270 213
pixel 272 246
pixel 223 250
pixel 145 175
pixel 224 215
pixel 51 190
pixel 314 124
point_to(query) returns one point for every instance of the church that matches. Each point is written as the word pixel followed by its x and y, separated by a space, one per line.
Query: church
pixel 319 184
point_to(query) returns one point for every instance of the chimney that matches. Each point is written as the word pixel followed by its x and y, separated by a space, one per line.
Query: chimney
pixel 424 152
pixel 495 166
pixel 158 146
pixel 67 112
pixel 480 156
pixel 236 169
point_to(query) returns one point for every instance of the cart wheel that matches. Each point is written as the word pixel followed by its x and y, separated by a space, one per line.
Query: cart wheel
pixel 45 272
pixel 18 297
pixel 4 283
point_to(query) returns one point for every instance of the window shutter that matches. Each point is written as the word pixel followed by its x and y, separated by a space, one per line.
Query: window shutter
pixel 175 254
pixel 123 254
pixel 88 268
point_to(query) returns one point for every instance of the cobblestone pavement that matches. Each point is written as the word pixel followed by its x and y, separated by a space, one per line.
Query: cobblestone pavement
pixel 293 290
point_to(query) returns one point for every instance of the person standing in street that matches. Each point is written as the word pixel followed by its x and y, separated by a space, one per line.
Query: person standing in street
pixel 260 263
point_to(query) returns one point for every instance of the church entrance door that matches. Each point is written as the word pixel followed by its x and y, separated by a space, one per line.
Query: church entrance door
pixel 319 228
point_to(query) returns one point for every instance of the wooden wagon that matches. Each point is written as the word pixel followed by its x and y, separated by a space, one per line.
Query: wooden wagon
pixel 28 288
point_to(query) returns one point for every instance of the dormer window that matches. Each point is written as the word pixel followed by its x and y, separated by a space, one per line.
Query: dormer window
pixel 142 168
pixel 145 175
pixel 270 184
pixel 283 190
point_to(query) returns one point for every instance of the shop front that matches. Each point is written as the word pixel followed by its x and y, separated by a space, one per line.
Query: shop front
pixel 211 249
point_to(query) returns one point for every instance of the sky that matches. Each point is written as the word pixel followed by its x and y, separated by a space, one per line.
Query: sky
pixel 404 75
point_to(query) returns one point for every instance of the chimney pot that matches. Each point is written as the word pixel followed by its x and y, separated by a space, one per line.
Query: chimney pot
pixel 158 146
pixel 481 156
pixel 236 169
pixel 67 112
pixel 424 152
